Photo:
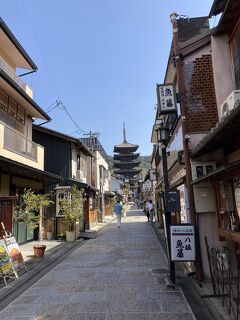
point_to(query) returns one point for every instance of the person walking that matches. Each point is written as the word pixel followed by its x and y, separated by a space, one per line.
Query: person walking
pixel 118 212
pixel 150 209
pixel 146 204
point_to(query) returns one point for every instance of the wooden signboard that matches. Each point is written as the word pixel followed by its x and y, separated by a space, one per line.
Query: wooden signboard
pixel 14 252
pixel 6 266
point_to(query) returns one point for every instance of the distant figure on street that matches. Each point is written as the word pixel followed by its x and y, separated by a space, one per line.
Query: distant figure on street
pixel 145 209
pixel 150 210
pixel 118 212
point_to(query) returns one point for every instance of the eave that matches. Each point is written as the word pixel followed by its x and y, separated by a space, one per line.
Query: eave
pixel 13 48
pixel 223 130
pixel 64 136
pixel 15 168
pixel 21 97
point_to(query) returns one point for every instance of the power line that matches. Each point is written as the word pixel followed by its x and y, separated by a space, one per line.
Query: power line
pixel 41 51
pixel 58 103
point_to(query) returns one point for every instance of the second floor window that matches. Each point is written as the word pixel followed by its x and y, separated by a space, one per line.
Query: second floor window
pixel 78 161
pixel 10 107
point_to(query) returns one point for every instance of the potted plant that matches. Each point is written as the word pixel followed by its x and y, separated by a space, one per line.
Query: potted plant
pixel 31 213
pixel 72 210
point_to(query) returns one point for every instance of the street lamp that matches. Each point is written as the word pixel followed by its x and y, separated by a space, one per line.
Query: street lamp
pixel 162 133
pixel 163 138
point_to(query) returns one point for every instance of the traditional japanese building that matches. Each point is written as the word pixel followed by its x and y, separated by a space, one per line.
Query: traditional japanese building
pixel 126 160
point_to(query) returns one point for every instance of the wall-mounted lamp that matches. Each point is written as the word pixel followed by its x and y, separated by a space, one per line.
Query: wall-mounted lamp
pixel 162 133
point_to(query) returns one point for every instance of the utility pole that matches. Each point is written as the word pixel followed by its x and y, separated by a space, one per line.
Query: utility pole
pixel 178 63
pixel 167 214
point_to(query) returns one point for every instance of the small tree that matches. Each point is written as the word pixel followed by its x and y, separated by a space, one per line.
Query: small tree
pixel 31 210
pixel 72 207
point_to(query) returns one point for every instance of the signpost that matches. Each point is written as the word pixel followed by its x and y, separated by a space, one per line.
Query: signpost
pixel 182 243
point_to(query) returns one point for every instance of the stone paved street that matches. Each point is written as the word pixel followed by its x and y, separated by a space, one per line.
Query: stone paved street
pixel 107 278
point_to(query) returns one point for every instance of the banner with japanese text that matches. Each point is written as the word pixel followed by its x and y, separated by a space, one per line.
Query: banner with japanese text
pixel 182 243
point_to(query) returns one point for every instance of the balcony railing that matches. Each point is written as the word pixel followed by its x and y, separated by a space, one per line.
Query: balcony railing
pixel 12 74
pixel 17 143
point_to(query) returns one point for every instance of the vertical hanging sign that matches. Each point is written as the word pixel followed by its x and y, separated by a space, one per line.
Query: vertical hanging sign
pixel 166 97
pixel 62 192
pixel 182 243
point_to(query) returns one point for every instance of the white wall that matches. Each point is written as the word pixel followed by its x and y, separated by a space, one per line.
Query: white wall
pixel 100 161
pixel 222 68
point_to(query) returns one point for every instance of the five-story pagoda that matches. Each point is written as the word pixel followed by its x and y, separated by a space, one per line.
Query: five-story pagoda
pixel 126 160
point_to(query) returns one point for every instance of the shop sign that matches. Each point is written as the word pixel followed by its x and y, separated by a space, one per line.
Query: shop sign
pixel 182 239
pixel 172 201
pixel 5 262
pixel 152 174
pixel 14 252
pixel 166 98
pixel 62 192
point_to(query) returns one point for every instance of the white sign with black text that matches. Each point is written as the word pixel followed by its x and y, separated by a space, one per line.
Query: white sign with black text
pixel 152 174
pixel 62 192
pixel 166 98
pixel 182 243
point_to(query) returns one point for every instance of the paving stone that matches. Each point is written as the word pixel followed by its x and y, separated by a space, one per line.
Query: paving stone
pixel 170 296
pixel 148 316
pixel 107 278
pixel 20 309
pixel 17 317
pixel 88 296
pixel 56 298
pixel 135 306
pixel 175 307
pixel 85 316
pixel 87 306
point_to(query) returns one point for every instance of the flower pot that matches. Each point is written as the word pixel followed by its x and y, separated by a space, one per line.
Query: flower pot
pixel 70 236
pixel 39 250
pixel 49 235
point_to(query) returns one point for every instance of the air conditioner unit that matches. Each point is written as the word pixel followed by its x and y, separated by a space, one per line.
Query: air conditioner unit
pixel 232 101
pixel 200 169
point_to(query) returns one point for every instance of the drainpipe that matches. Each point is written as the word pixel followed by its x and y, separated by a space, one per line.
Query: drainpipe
pixel 102 190
pixel 30 72
pixel 174 20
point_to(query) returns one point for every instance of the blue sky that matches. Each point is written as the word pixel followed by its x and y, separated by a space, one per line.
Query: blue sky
pixel 101 58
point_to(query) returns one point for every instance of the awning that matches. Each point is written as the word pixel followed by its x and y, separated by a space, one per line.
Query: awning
pixel 93 188
pixel 10 167
pixel 71 182
pixel 227 127
pixel 109 194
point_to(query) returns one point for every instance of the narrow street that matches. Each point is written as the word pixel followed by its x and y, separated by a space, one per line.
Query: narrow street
pixel 107 278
